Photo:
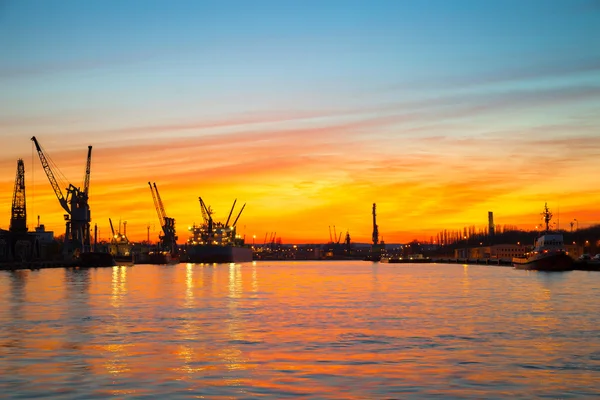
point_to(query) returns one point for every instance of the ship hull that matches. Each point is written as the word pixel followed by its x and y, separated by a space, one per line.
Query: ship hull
pixel 204 254
pixel 95 259
pixel 155 258
pixel 545 262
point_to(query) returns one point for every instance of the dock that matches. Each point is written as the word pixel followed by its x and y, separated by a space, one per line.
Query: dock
pixel 578 265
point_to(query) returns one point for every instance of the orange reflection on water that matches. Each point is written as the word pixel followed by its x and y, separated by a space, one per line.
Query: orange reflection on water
pixel 322 329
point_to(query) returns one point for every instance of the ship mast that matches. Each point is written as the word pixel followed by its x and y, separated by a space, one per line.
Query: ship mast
pixel 547 216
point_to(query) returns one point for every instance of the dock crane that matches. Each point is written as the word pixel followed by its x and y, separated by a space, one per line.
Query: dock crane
pixel 375 227
pixel 18 216
pixel 16 244
pixel 77 217
pixel 169 239
pixel 207 213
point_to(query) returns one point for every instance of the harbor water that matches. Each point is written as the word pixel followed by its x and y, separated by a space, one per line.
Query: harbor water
pixel 337 329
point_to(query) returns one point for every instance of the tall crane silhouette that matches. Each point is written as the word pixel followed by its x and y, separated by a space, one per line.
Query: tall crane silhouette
pixel 168 239
pixel 18 216
pixel 75 203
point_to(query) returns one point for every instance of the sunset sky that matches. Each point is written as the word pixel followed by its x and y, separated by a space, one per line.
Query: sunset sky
pixel 308 111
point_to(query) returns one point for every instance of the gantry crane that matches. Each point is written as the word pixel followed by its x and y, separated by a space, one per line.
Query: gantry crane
pixel 169 239
pixel 77 218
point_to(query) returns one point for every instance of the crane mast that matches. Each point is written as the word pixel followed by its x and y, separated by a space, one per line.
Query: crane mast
pixel 375 228
pixel 18 218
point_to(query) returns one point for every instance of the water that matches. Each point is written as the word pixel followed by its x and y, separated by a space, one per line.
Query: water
pixel 288 329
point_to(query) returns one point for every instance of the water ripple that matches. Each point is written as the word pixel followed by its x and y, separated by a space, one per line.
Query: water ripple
pixel 299 329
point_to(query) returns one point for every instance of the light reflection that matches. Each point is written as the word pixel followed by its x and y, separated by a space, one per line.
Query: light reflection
pixel 254 278
pixel 189 285
pixel 119 285
pixel 187 354
pixel 235 280
pixel 117 364
pixel 465 281
pixel 231 354
pixel 118 354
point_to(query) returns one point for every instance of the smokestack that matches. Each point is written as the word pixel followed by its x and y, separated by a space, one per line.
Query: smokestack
pixel 491 223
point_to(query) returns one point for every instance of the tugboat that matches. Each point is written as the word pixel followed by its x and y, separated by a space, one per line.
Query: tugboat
pixel 549 253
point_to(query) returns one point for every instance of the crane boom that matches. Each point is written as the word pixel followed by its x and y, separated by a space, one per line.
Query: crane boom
pixel 238 217
pixel 160 203
pixel 86 180
pixel 204 210
pixel 160 217
pixel 232 207
pixel 111 227
pixel 51 178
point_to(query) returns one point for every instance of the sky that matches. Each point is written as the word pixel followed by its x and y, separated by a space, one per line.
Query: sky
pixel 308 111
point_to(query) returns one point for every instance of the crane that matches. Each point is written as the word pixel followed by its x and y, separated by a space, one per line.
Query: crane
pixel 77 217
pixel 207 213
pixel 375 227
pixel 231 211
pixel 169 239
pixel 86 178
pixel 238 217
pixel 112 229
pixel 18 217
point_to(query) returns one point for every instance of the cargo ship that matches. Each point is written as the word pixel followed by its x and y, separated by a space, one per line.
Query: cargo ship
pixel 215 242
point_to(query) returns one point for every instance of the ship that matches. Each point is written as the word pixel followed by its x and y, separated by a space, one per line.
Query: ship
pixel 215 242
pixel 93 259
pixel 548 254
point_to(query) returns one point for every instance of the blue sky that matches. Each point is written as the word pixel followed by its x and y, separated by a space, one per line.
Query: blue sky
pixel 363 81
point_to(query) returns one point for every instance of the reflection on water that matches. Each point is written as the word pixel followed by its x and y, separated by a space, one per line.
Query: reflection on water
pixel 280 329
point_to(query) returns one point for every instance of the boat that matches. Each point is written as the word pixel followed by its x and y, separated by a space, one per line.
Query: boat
pixel 215 242
pixel 155 257
pixel 548 254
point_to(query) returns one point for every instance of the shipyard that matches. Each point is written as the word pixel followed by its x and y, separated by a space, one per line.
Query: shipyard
pixel 214 241
pixel 299 199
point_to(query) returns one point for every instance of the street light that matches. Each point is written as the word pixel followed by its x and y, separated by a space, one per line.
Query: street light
pixel 576 224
